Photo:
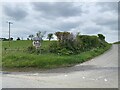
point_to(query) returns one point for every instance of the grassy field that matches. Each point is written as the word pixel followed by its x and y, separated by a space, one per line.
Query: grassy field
pixel 117 42
pixel 17 57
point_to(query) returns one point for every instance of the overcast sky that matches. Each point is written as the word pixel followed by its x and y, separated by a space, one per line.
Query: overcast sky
pixel 89 18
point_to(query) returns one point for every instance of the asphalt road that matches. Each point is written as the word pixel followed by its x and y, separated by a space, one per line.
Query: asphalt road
pixel 100 72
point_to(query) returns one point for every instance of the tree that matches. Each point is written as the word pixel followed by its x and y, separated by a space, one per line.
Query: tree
pixel 73 44
pixel 62 36
pixel 27 38
pixel 18 38
pixel 31 36
pixel 101 37
pixel 11 38
pixel 59 36
pixel 40 34
pixel 50 36
pixel 65 35
pixel 5 39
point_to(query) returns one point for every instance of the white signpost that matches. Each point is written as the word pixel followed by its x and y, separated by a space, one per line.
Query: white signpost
pixel 37 42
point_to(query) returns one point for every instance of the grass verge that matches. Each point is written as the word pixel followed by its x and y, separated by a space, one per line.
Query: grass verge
pixel 14 59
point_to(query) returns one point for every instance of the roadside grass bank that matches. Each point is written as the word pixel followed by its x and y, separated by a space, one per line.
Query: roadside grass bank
pixel 21 59
pixel 117 42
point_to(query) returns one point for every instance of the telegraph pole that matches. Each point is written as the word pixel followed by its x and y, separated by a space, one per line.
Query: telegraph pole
pixel 9 23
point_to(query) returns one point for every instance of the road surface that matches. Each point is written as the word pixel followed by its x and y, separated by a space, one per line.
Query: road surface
pixel 100 72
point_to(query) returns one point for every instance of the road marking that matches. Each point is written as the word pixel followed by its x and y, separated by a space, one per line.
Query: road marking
pixel 65 75
pixel 35 74
pixel 83 77
pixel 105 80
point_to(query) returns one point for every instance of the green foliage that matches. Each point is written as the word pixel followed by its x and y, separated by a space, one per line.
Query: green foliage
pixel 76 44
pixel 52 54
pixel 31 49
pixel 50 36
pixel 40 34
pixel 18 38
pixel 64 51
pixel 53 48
pixel 89 42
pixel 101 37
pixel 15 59
pixel 31 36
pixel 65 44
pixel 117 42
pixel 59 36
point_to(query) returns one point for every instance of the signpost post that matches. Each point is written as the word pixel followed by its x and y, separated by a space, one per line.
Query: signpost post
pixel 9 31
pixel 37 43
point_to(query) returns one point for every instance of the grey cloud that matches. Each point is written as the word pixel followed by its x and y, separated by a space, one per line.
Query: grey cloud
pixel 58 9
pixel 110 23
pixel 16 12
pixel 92 29
pixel 105 22
pixel 66 26
pixel 53 17
pixel 108 6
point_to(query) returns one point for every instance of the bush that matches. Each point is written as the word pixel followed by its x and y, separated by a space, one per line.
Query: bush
pixel 5 48
pixel 31 49
pixel 68 44
pixel 18 38
pixel 64 51
pixel 53 47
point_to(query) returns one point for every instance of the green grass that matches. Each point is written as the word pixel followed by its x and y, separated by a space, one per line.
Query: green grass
pixel 21 59
pixel 117 42
pixel 22 44
pixel 0 54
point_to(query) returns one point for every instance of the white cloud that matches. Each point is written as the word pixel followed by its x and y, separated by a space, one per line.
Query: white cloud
pixel 88 18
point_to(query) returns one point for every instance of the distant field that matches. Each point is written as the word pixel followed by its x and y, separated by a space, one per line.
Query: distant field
pixel 22 44
pixel 117 42
pixel 17 57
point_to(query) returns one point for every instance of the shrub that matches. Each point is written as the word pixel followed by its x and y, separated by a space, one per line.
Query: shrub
pixel 5 48
pixel 53 47
pixel 69 44
pixel 31 49
pixel 18 38
pixel 64 51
